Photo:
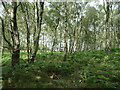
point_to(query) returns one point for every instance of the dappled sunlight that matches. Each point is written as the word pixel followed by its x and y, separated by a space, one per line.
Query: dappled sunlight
pixel 84 71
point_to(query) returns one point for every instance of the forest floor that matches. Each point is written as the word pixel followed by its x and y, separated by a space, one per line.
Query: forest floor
pixel 89 69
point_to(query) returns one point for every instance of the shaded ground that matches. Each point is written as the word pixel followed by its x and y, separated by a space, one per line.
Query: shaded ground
pixel 90 69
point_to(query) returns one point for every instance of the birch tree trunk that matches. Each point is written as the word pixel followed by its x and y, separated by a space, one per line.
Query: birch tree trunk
pixel 15 36
pixel 38 30
pixel 107 27
pixel 65 36
pixel 15 44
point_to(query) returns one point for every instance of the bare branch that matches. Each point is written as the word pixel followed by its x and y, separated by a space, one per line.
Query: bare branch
pixel 19 4
pixel 5 7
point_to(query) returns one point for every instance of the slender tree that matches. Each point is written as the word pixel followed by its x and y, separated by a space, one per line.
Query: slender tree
pixel 38 30
pixel 15 45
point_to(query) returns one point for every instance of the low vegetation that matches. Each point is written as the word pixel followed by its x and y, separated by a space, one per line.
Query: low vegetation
pixel 89 69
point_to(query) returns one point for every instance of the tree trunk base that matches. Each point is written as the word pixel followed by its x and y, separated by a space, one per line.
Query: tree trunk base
pixel 65 57
pixel 31 60
pixel 15 57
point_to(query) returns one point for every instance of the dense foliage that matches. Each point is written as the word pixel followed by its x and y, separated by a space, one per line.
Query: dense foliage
pixel 89 69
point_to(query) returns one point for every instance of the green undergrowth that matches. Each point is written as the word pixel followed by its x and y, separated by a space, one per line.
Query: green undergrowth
pixel 89 69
